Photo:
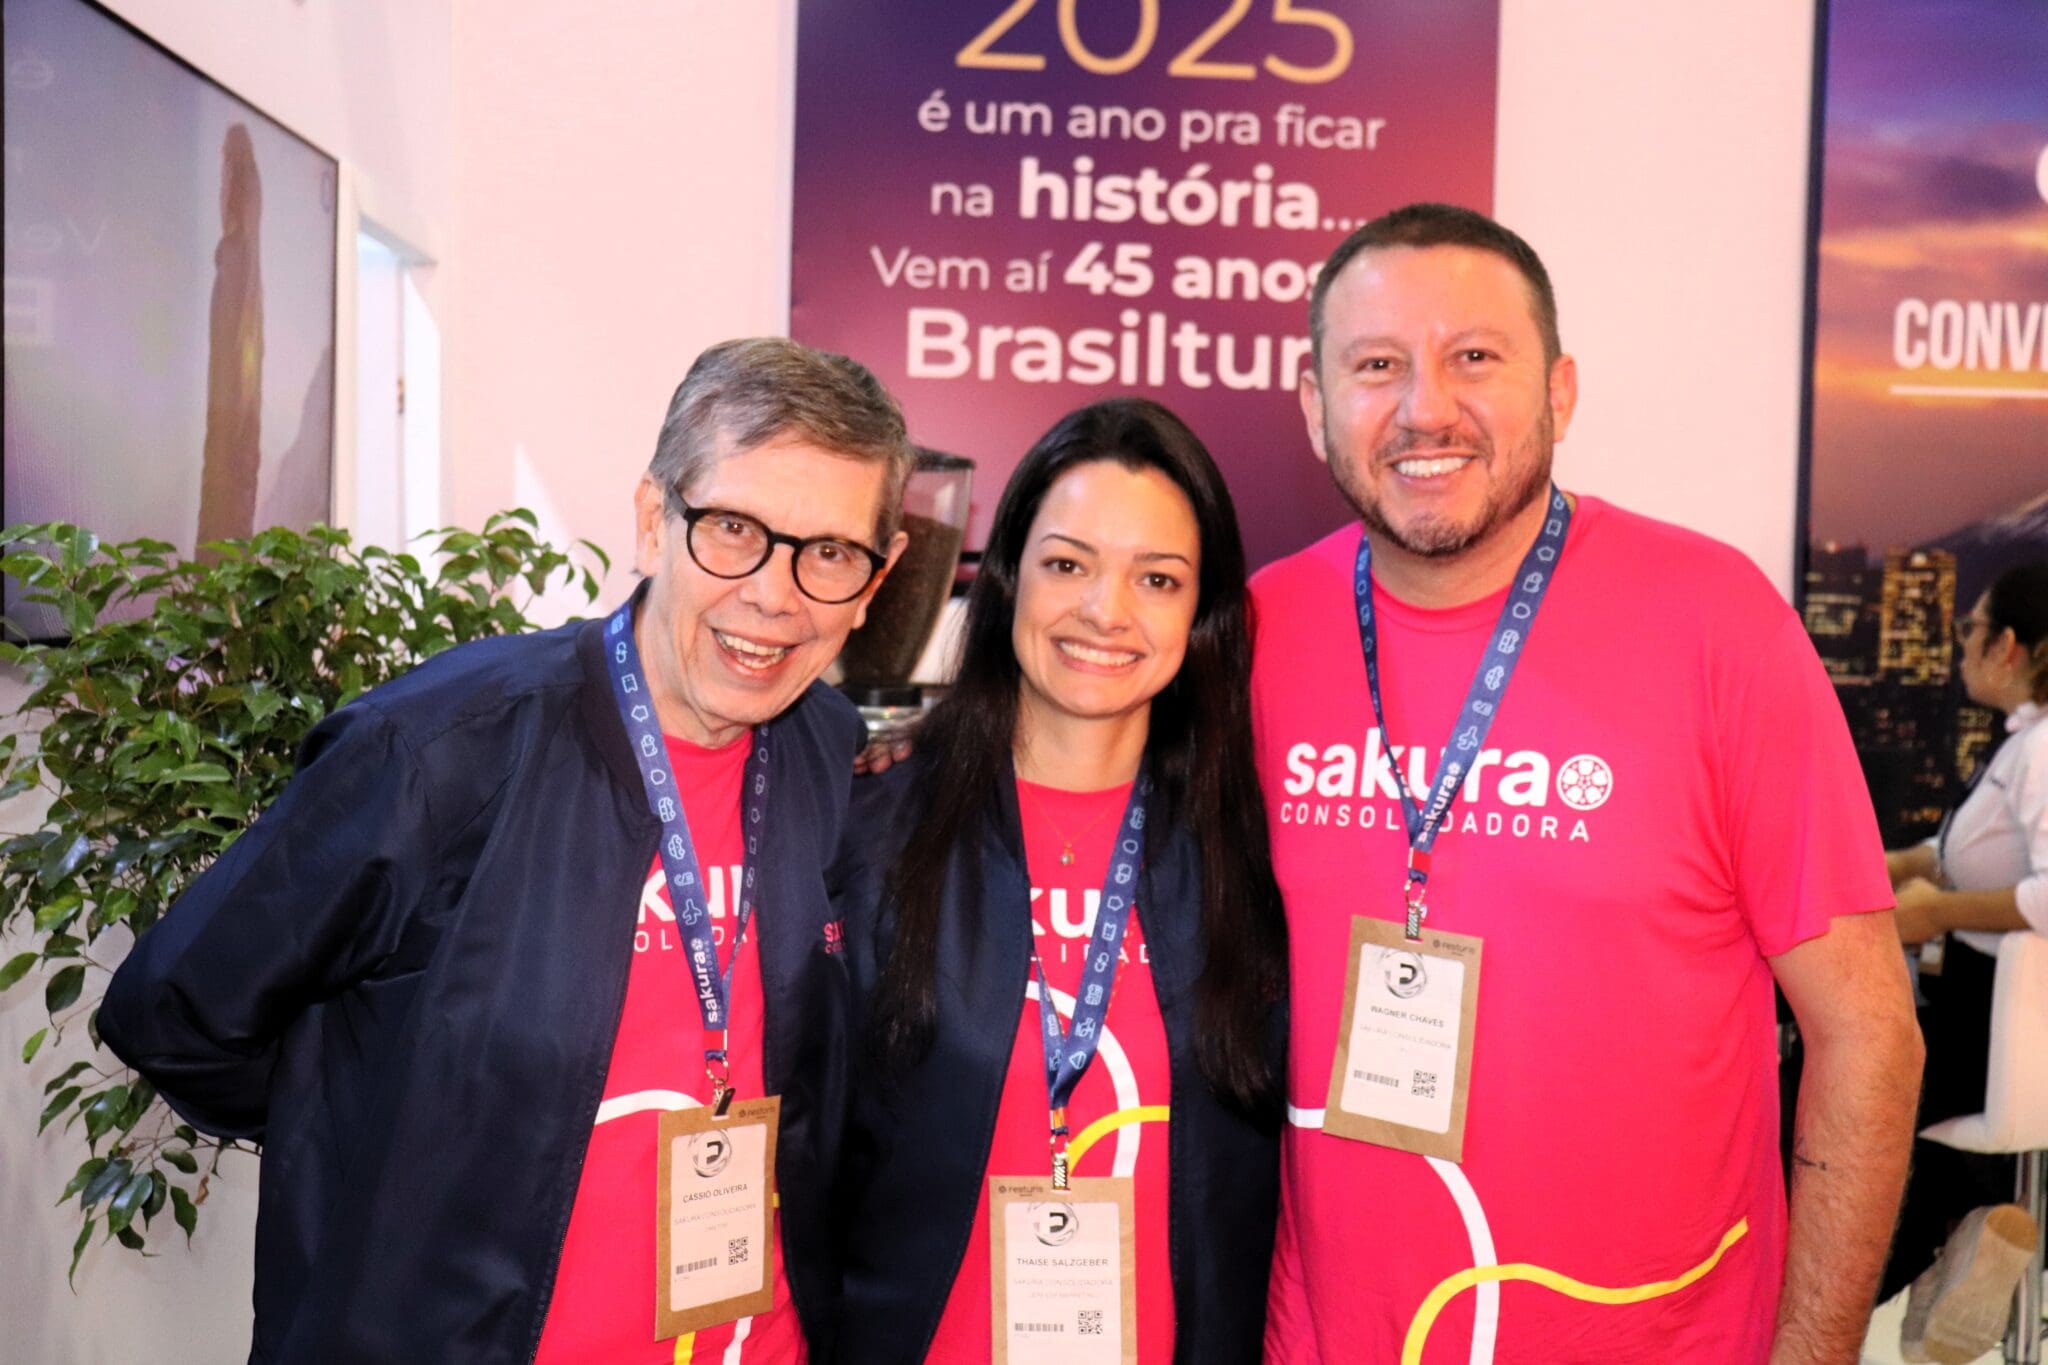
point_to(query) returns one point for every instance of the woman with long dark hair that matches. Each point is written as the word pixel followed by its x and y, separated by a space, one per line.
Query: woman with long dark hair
pixel 1067 946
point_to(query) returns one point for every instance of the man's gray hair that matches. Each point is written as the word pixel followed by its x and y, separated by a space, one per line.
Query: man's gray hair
pixel 757 389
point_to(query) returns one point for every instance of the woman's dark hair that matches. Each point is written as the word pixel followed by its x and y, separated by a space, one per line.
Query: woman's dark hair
pixel 2018 602
pixel 1198 750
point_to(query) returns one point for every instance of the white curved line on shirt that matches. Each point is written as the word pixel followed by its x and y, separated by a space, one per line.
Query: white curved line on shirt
pixel 740 1332
pixel 1486 1297
pixel 640 1101
pixel 1121 1077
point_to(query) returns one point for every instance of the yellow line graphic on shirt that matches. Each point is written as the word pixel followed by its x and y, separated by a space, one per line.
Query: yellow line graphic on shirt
pixel 686 1346
pixel 1441 1296
pixel 1109 1123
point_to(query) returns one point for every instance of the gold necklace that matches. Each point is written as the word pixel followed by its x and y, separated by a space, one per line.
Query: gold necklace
pixel 1066 843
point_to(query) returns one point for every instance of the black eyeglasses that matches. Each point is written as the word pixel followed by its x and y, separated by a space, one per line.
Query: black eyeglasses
pixel 729 544
pixel 1966 626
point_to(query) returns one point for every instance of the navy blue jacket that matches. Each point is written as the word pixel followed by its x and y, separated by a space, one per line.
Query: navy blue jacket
pixel 405 980
pixel 918 1138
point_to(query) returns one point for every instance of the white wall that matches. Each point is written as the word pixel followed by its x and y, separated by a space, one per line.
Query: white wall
pixel 1656 156
pixel 623 202
pixel 608 197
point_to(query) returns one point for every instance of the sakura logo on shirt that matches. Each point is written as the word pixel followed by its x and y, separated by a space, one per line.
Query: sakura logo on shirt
pixel 1069 919
pixel 1521 793
pixel 1584 782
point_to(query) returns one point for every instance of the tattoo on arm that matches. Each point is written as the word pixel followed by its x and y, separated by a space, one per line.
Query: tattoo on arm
pixel 1802 1160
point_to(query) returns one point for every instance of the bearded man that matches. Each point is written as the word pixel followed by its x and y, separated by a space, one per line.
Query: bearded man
pixel 1559 793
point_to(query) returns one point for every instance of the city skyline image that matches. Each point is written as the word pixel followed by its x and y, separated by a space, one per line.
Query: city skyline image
pixel 1927 456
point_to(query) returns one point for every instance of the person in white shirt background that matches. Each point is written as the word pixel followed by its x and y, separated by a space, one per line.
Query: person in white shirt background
pixel 1984 874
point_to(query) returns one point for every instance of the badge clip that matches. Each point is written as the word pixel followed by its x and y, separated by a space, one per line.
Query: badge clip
pixel 721 1083
pixel 1059 1149
pixel 1418 878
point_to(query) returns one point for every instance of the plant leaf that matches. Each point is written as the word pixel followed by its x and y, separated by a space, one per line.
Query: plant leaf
pixel 78 1250
pixel 183 1211
pixel 86 1171
pixel 58 1104
pixel 121 1210
pixel 103 1111
pixel 34 1044
pixel 15 968
pixel 196 772
pixel 62 992
pixel 66 1076
pixel 60 860
pixel 58 912
pixel 106 1180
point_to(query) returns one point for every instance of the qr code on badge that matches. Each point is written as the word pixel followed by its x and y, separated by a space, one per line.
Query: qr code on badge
pixel 1424 1085
pixel 736 1251
pixel 1091 1322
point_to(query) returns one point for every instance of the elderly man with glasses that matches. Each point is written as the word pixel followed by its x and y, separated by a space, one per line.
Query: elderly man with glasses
pixel 528 984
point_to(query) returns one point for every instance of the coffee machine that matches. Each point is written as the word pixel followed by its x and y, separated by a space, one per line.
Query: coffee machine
pixel 877 664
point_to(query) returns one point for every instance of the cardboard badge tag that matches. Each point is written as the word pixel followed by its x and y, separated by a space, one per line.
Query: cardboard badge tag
pixel 1063 1283
pixel 1404 1055
pixel 714 1208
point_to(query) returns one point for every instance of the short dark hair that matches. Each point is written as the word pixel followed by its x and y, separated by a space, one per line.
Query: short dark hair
pixel 756 389
pixel 2018 602
pixel 1424 225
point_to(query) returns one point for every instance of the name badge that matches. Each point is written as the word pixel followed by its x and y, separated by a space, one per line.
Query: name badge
pixel 1063 1284
pixel 714 1230
pixel 1404 1058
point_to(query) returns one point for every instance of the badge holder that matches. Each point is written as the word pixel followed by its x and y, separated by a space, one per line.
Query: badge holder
pixel 1403 1064
pixel 715 1208
pixel 1063 1281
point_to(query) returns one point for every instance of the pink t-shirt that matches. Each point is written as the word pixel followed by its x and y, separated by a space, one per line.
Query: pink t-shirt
pixel 1132 1071
pixel 1667 797
pixel 603 1304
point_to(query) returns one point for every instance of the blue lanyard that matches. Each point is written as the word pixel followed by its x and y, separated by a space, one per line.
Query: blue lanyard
pixel 1069 1052
pixel 1482 699
pixel 679 853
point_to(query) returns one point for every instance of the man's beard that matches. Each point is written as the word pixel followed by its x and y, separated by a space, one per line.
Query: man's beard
pixel 1433 537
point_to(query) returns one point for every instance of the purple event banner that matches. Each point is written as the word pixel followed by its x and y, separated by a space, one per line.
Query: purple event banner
pixel 1011 208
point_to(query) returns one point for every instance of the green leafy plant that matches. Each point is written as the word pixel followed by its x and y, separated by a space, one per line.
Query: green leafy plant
pixel 159 729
